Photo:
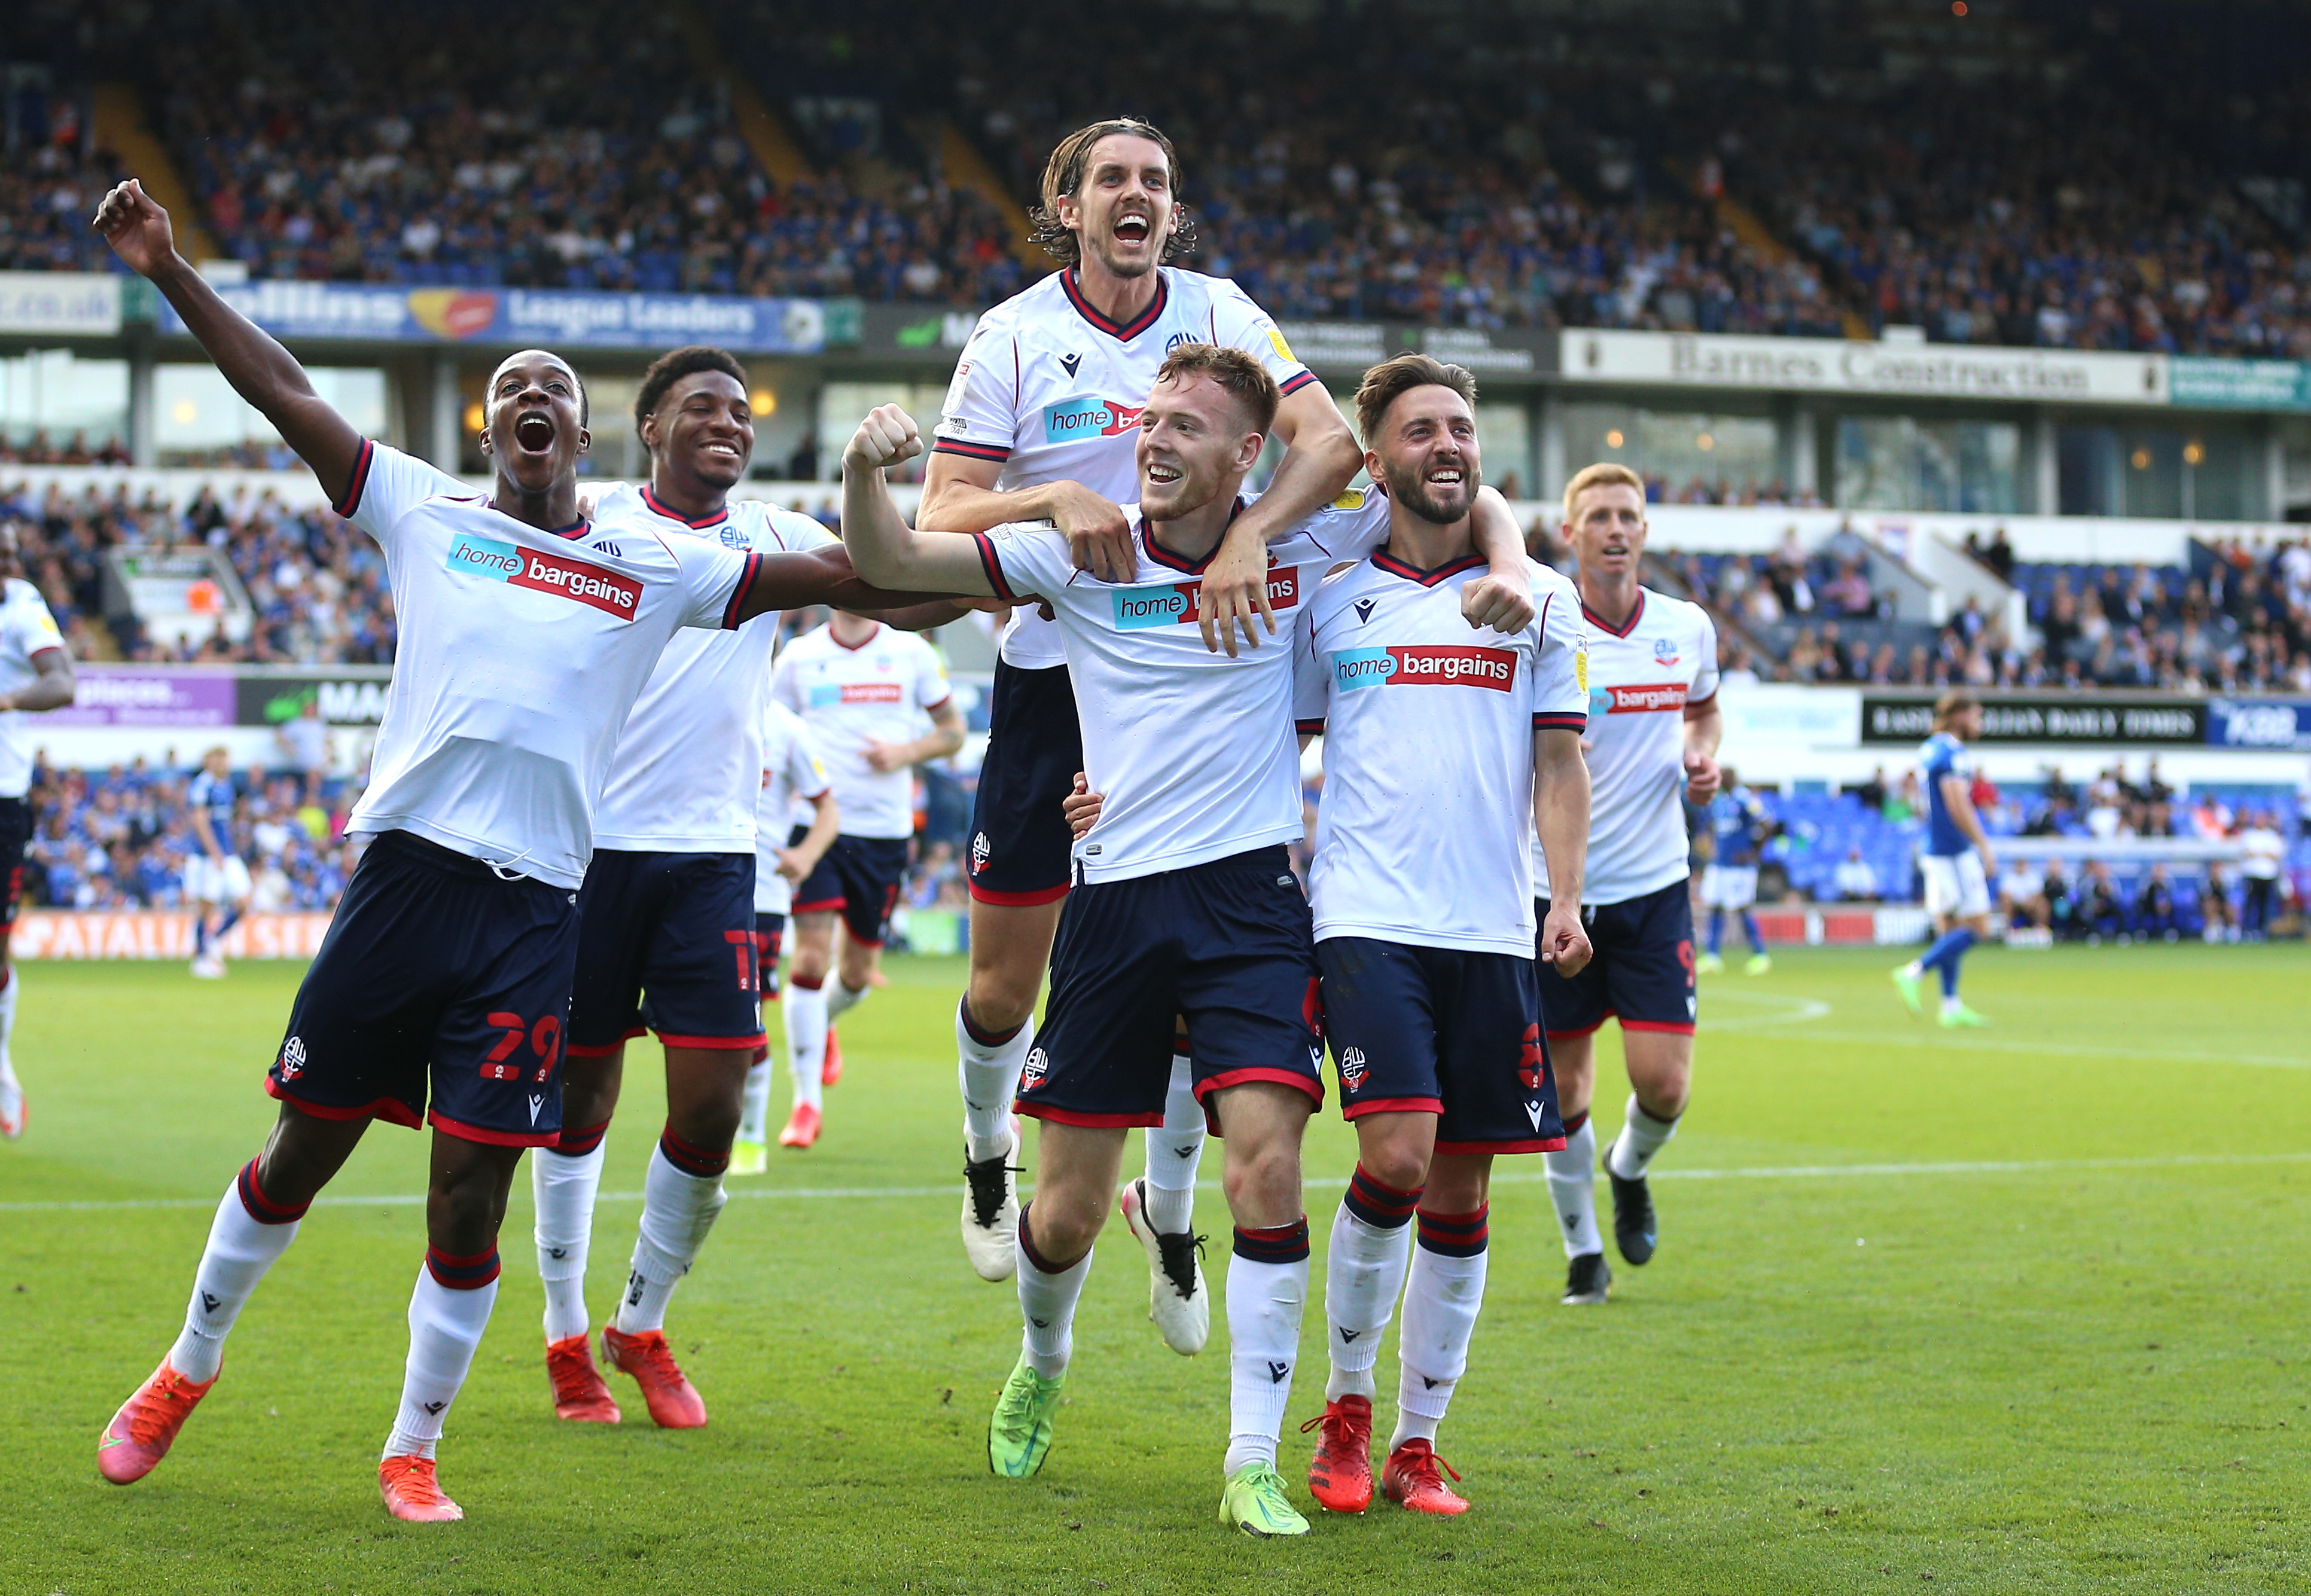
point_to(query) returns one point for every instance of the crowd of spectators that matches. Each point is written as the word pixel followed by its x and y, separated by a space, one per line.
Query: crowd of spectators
pixel 2240 620
pixel 48 193
pixel 118 839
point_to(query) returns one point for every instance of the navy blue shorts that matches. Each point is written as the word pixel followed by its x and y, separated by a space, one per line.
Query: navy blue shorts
pixel 667 946
pixel 15 834
pixel 770 941
pixel 435 971
pixel 1228 945
pixel 1642 974
pixel 860 876
pixel 1021 851
pixel 1445 1032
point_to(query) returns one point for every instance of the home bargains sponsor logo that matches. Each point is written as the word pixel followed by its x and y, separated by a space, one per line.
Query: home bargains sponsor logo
pixel 1415 664
pixel 605 591
pixel 1138 609
pixel 1643 699
pixel 1071 419
pixel 827 694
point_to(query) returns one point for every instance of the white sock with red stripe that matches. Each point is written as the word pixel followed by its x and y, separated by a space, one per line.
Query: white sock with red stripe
pixel 1363 1273
pixel 1641 1135
pixel 989 1075
pixel 681 1196
pixel 564 1180
pixel 840 998
pixel 448 1313
pixel 1440 1315
pixel 806 1007
pixel 1174 1152
pixel 1573 1187
pixel 1266 1293
pixel 1048 1294
pixel 755 1107
pixel 246 1235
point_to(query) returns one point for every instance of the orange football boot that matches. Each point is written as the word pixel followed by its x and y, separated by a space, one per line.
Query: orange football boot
pixel 802 1128
pixel 1409 1478
pixel 412 1495
pixel 141 1434
pixel 579 1392
pixel 830 1071
pixel 675 1403
pixel 1340 1473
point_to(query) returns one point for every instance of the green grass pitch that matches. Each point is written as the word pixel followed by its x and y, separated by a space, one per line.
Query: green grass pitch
pixel 2018 1310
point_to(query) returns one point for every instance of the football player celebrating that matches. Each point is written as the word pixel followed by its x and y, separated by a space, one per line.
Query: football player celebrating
pixel 442 991
pixel 36 674
pixel 1039 425
pixel 1653 728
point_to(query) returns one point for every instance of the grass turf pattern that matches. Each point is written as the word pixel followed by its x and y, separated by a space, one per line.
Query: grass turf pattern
pixel 2011 1309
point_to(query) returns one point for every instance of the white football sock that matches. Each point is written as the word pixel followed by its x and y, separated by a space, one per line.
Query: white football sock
pixel 988 1076
pixel 805 1009
pixel 1173 1153
pixel 1363 1273
pixel 241 1248
pixel 562 1188
pixel 14 979
pixel 1641 1135
pixel 445 1325
pixel 1047 1303
pixel 840 998
pixel 1440 1315
pixel 1572 1188
pixel 755 1107
pixel 1267 1292
pixel 677 1211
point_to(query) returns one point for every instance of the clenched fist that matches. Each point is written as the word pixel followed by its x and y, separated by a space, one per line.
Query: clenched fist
pixel 888 437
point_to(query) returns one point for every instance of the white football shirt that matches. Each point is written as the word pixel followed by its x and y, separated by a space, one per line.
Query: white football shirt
pixel 689 762
pixel 521 653
pixel 791 770
pixel 26 629
pixel 851 698
pixel 1053 390
pixel 1427 726
pixel 1193 751
pixel 1642 679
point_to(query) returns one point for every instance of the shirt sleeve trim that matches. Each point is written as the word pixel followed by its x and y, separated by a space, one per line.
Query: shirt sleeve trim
pixel 994 568
pixel 1309 729
pixel 738 594
pixel 973 452
pixel 1295 384
pixel 1695 706
pixel 1551 721
pixel 353 497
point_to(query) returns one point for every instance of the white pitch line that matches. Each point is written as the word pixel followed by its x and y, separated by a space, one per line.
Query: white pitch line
pixel 1788 1172
pixel 1983 1044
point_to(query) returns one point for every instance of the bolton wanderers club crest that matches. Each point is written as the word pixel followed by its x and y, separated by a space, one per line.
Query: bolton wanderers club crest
pixel 980 853
pixel 1664 651
pixel 1352 1068
pixel 292 1058
pixel 1031 1074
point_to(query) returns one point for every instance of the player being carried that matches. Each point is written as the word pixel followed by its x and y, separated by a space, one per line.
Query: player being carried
pixel 442 989
pixel 1424 943
pixel 1739 830
pixel 1039 424
pixel 36 674
pixel 666 939
pixel 1184 903
pixel 1653 728
pixel 1957 862
pixel 862 690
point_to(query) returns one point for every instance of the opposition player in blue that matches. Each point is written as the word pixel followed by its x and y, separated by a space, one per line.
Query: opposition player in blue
pixel 1958 862
pixel 216 877
pixel 1739 830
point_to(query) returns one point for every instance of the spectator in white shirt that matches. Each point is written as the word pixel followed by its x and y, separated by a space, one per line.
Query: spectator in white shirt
pixel 1854 879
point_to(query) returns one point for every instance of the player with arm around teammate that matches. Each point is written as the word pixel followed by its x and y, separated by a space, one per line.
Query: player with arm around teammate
pixel 1957 864
pixel 1039 424
pixel 1654 731
pixel 442 989
pixel 1184 903
pixel 36 675
pixel 1441 753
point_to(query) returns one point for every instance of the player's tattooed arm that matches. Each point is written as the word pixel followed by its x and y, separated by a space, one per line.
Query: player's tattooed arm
pixel 259 368
pixel 1560 808
pixel 885 548
pixel 1321 459
pixel 1501 598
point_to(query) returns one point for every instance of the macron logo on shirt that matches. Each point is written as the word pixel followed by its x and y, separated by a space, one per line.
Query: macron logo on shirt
pixel 1415 664
pixel 546 573
pixel 1138 609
